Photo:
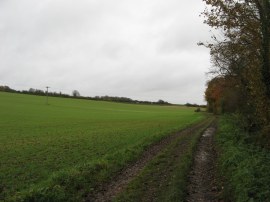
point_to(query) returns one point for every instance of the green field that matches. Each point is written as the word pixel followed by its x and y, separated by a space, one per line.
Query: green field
pixel 37 141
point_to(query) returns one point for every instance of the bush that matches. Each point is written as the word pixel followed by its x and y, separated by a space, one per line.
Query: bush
pixel 246 167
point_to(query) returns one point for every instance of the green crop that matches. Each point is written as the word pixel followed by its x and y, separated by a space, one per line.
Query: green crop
pixel 39 140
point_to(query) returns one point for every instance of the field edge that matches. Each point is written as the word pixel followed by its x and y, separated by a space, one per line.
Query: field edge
pixel 75 183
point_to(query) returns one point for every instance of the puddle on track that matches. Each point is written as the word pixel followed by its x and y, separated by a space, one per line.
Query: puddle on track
pixel 202 178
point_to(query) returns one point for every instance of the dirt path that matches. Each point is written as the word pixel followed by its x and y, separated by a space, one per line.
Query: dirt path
pixel 203 185
pixel 109 191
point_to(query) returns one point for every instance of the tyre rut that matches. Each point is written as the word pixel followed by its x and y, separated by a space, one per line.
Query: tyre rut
pixel 108 191
pixel 203 181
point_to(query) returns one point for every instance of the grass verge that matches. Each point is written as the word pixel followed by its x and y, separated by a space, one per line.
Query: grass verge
pixel 165 177
pixel 246 167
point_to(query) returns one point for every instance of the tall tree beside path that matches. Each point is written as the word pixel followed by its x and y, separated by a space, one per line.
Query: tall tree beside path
pixel 242 54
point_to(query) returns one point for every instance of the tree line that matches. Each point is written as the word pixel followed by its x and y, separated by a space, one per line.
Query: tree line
pixel 76 94
pixel 241 62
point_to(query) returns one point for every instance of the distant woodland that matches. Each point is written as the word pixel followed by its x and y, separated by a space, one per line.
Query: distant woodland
pixel 76 94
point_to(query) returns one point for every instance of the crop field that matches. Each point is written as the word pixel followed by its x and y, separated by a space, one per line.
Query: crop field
pixel 37 141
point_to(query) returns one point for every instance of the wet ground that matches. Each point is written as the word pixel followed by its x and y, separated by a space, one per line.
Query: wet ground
pixel 109 191
pixel 203 180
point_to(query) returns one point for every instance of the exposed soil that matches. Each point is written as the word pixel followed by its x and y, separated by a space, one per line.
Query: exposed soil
pixel 163 176
pixel 203 180
pixel 108 191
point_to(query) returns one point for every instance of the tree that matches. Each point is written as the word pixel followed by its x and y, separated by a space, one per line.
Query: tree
pixel 161 102
pixel 222 95
pixel 6 89
pixel 75 93
pixel 32 90
pixel 263 7
pixel 242 54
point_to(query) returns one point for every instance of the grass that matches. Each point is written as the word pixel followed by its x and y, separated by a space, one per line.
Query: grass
pixel 165 177
pixel 72 144
pixel 246 167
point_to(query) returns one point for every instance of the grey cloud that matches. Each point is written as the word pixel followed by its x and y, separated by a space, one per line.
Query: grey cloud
pixel 139 49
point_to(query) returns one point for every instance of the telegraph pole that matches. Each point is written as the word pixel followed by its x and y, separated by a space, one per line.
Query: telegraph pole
pixel 47 102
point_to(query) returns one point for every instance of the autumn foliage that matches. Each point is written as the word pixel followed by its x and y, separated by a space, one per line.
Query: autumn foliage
pixel 241 61
pixel 222 95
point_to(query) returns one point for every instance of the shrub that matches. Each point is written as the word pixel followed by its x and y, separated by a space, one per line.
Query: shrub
pixel 245 166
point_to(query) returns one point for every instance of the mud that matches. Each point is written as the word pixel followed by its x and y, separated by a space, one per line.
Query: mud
pixel 108 191
pixel 203 180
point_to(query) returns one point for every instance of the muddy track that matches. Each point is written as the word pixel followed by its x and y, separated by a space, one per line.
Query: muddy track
pixel 163 176
pixel 203 181
pixel 119 183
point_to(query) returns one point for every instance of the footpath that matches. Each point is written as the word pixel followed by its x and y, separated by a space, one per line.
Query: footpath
pixel 153 177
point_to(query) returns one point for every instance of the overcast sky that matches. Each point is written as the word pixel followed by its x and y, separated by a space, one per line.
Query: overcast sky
pixel 142 49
